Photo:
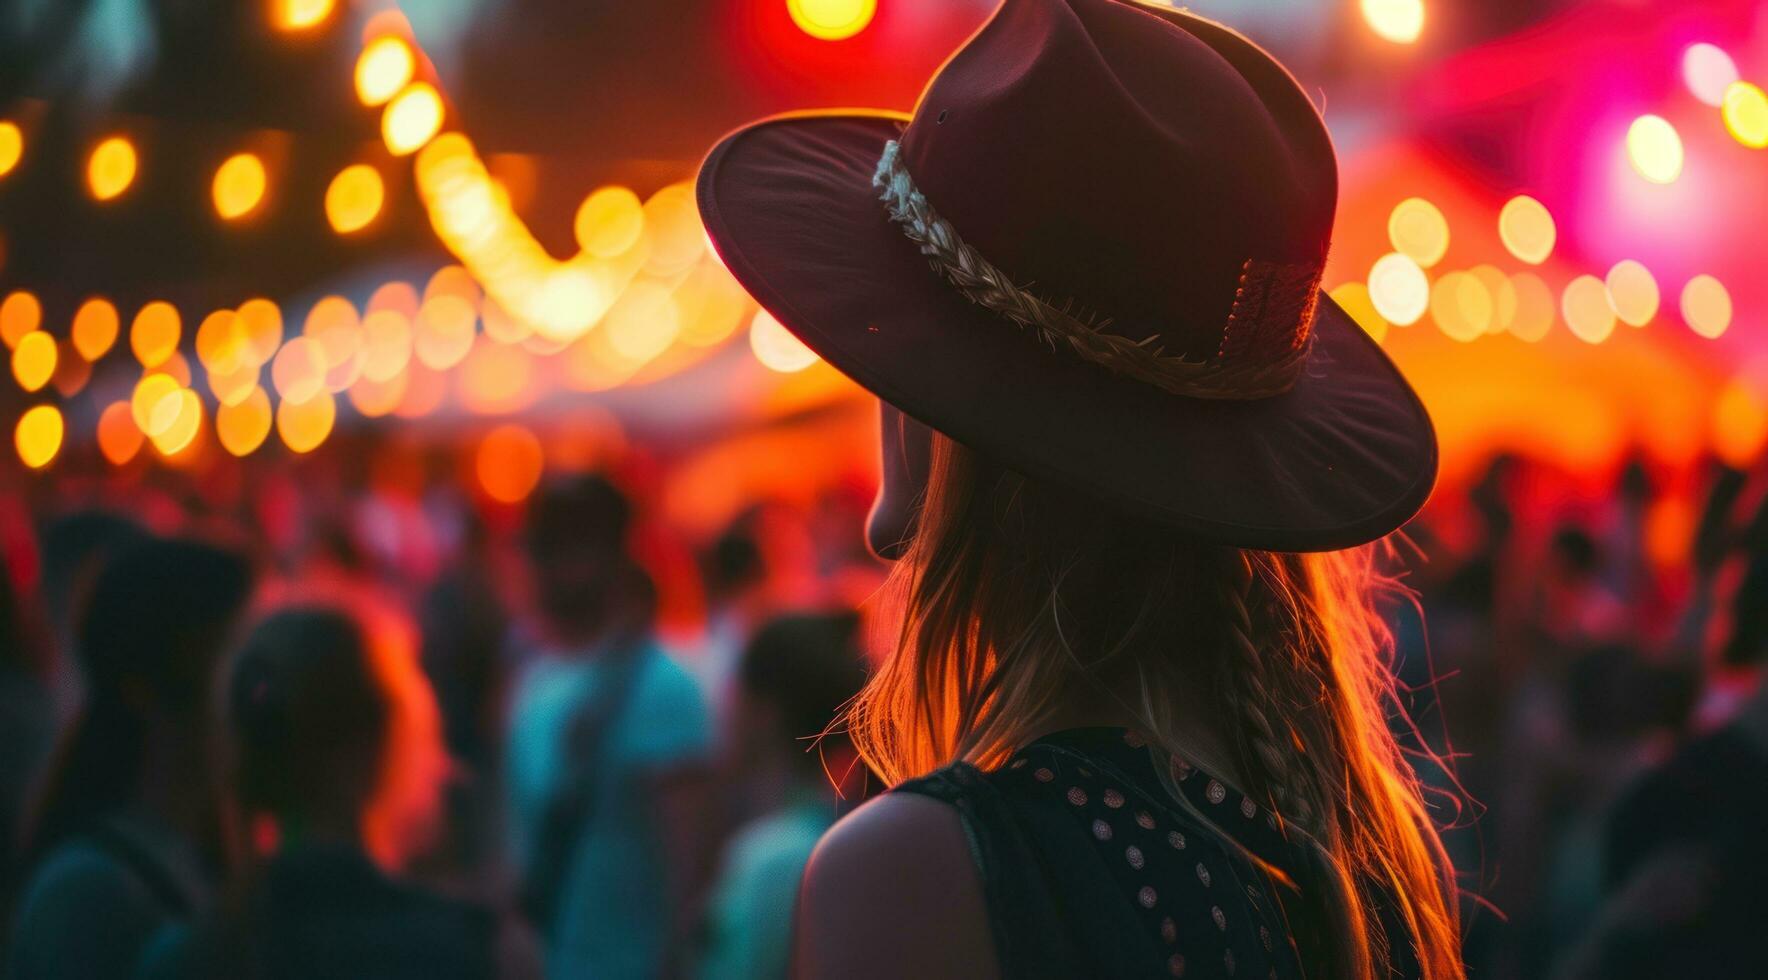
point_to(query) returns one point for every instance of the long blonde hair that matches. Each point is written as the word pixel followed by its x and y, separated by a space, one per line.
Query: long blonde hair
pixel 1013 592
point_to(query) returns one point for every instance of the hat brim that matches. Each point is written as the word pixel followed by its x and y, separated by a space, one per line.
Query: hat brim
pixel 1344 457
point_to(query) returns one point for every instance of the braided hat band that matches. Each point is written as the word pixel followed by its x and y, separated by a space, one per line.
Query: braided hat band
pixel 1265 342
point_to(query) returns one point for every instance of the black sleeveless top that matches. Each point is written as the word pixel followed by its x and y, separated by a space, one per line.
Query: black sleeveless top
pixel 1090 868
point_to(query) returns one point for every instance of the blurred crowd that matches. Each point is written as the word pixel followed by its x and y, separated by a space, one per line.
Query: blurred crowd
pixel 333 719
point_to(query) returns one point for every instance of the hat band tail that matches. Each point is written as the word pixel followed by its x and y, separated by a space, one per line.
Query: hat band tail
pixel 1273 309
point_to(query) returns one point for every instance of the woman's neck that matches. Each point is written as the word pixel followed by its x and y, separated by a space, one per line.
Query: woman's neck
pixel 1198 731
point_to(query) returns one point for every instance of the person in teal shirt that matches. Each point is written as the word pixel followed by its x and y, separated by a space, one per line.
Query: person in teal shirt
pixel 794 676
pixel 602 713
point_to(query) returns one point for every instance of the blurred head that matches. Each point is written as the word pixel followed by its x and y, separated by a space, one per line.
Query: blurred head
pixel 793 680
pixel 332 726
pixel 576 544
pixel 1574 553
pixel 1019 599
pixel 150 637
pixel 734 562
pixel 75 549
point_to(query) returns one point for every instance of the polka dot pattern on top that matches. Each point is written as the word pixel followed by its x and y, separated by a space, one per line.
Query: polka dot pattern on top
pixel 1210 909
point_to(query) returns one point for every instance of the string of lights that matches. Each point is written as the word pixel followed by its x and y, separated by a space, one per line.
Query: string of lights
pixel 644 292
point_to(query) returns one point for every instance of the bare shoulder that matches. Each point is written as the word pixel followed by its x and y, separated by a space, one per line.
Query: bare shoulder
pixel 892 890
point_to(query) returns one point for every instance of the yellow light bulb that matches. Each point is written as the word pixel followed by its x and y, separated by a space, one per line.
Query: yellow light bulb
pixel 95 327
pixel 354 198
pixel 832 20
pixel 1655 149
pixel 154 334
pixel 111 168
pixel 20 313
pixel 242 427
pixel 239 185
pixel 412 118
pixel 1527 229
pixel 384 67
pixel 12 146
pixel 33 360
pixel 1399 21
pixel 38 436
pixel 299 15
pixel 776 348
pixel 1745 108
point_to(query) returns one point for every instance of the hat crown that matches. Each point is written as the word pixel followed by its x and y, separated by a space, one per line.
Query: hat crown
pixel 1138 164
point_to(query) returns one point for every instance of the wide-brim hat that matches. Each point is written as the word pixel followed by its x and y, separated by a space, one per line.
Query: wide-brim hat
pixel 1093 254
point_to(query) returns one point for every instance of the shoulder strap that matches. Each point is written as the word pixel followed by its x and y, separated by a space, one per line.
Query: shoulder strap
pixel 570 807
pixel 146 868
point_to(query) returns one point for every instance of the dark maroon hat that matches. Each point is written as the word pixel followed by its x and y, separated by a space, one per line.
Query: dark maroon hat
pixel 1126 210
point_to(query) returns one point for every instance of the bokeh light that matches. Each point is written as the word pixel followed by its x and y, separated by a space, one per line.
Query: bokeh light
pixel 1353 297
pixel 500 326
pixel 95 327
pixel 1707 71
pixel 232 387
pixel 239 185
pixel 177 368
pixel 153 335
pixel 642 323
pixel 424 391
pixel 609 222
pixel 12 146
pixel 20 313
pixel 1527 229
pixel 1502 292
pixel 509 463
pixel 304 425
pixel 1585 307
pixel 412 119
pixel 37 436
pixel 298 372
pixel 299 15
pixel 111 167
pixel 1655 149
pixel 832 20
pixel 119 438
pixel 384 67
pixel 146 405
pixel 454 280
pixel 496 378
pixel 443 332
pixel 1398 289
pixel 386 344
pixel 677 238
pixel 1418 230
pixel 1745 108
pixel 775 347
pixel 396 295
pixel 332 323
pixel 221 344
pixel 1706 306
pixel 1399 21
pixel 1461 306
pixel 374 399
pixel 1535 309
pixel 261 321
pixel 33 360
pixel 1740 424
pixel 1633 292
pixel 243 427
pixel 177 420
pixel 354 198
